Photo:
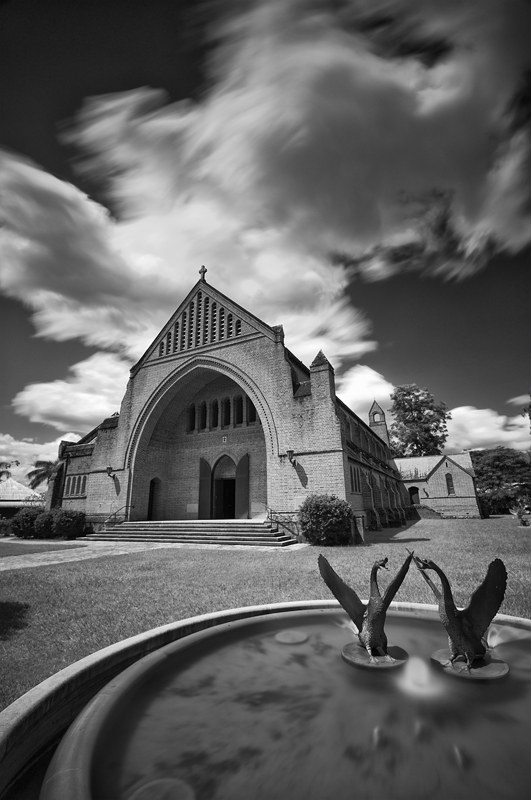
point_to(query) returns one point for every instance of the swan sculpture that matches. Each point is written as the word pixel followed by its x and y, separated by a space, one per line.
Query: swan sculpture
pixel 369 619
pixel 466 627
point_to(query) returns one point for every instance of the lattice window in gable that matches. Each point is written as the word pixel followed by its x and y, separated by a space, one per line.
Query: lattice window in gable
pixel 176 337
pixel 183 331
pixel 191 310
pixel 238 327
pixel 206 312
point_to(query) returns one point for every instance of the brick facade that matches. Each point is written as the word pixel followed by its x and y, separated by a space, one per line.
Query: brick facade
pixel 218 411
pixel 443 483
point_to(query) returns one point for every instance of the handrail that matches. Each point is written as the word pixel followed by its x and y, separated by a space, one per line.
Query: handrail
pixel 114 514
pixel 272 517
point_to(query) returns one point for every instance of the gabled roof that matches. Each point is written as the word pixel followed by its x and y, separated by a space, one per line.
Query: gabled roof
pixel 376 409
pixel 204 318
pixel 10 489
pixel 422 467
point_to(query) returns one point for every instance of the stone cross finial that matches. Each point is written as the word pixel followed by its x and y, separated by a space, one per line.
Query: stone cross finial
pixel 202 273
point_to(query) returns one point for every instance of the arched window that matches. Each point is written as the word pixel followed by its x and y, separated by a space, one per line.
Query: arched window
pixel 376 417
pixel 161 348
pixel 202 416
pixel 191 418
pixel 238 327
pixel 251 411
pixel 214 322
pixel 450 483
pixel 229 326
pixel 225 411
pixel 67 486
pixel 221 323
pixel 183 331
pixel 168 342
pixel 83 484
pixel 238 410
pixel 191 325
pixel 176 338
pixel 206 319
pixel 214 419
pixel 198 320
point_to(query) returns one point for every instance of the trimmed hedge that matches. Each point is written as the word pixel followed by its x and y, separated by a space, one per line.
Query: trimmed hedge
pixel 326 520
pixel 68 524
pixel 23 523
pixel 44 525
pixel 33 523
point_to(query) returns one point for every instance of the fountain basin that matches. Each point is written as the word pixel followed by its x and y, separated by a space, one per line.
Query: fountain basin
pixel 265 707
pixel 34 723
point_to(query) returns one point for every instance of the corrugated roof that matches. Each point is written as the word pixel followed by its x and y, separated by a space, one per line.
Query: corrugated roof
pixel 10 489
pixel 423 465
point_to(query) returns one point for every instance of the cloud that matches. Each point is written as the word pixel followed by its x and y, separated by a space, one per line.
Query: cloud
pixel 335 138
pixel 28 451
pixel 360 386
pixel 520 400
pixel 94 391
pixel 481 428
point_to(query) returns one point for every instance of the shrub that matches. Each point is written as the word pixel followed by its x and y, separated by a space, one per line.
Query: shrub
pixel 326 520
pixel 44 525
pixel 22 524
pixel 68 524
pixel 5 527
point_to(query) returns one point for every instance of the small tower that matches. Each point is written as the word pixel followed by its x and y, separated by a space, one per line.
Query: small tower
pixel 322 377
pixel 377 422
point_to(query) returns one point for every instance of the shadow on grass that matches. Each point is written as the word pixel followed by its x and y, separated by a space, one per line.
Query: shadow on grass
pixel 12 618
pixel 388 539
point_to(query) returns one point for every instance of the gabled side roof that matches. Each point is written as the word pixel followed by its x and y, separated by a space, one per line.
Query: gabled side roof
pixel 205 317
pixel 10 489
pixel 425 466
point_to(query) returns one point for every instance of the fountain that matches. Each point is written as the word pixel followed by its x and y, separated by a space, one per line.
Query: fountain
pixel 263 706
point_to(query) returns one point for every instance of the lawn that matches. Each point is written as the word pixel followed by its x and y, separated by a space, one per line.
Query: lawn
pixel 53 615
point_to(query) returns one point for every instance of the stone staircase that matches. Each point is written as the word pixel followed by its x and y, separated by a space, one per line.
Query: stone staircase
pixel 209 531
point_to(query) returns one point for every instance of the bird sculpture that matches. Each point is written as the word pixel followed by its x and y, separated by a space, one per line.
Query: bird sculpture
pixel 466 627
pixel 369 619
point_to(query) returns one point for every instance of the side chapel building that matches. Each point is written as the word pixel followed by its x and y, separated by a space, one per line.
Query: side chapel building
pixel 221 421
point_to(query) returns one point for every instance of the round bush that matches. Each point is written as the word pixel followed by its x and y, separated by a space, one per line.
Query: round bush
pixel 68 524
pixel 22 524
pixel 44 525
pixel 326 520
pixel 5 527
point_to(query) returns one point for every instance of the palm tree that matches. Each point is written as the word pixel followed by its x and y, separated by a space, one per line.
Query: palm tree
pixel 42 473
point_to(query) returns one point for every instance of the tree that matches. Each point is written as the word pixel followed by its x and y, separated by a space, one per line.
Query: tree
pixel 419 427
pixel 5 468
pixel 502 478
pixel 42 473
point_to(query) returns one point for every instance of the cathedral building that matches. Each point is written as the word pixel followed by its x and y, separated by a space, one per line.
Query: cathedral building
pixel 220 421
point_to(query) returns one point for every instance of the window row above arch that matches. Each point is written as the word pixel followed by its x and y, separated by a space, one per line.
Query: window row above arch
pixel 202 322
pixel 229 411
pixel 75 486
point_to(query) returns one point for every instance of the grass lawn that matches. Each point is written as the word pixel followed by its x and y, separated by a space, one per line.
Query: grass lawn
pixel 17 548
pixel 51 616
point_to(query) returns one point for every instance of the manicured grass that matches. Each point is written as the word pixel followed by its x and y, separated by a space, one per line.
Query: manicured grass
pixel 54 615
pixel 12 548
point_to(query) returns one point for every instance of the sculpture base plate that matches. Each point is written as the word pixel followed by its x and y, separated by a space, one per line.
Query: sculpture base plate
pixel 487 668
pixel 356 655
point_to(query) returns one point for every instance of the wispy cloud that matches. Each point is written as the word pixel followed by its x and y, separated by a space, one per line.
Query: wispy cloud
pixel 27 451
pixel 336 138
pixel 481 428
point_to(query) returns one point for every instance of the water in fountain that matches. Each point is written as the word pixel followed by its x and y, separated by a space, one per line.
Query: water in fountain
pixel 255 715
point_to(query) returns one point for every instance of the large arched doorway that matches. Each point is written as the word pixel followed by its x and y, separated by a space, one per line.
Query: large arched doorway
pixel 205 442
pixel 414 495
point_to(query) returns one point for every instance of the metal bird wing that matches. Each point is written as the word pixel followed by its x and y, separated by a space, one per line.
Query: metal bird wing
pixel 487 598
pixel 342 592
pixel 396 583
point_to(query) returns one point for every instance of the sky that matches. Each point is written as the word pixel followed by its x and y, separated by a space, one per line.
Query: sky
pixel 354 170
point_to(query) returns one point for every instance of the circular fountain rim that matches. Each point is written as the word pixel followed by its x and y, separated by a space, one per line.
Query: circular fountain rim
pixel 25 729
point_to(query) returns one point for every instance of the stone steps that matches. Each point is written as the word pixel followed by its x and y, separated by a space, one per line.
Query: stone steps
pixel 224 532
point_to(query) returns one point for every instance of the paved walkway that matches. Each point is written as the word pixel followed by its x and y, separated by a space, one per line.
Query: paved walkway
pixel 102 549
